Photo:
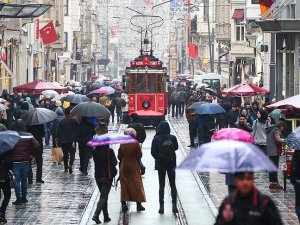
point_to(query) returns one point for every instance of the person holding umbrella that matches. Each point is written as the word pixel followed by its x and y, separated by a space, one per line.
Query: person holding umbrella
pixel 5 166
pixel 248 205
pixel 22 154
pixel 132 188
pixel 67 135
pixel 104 174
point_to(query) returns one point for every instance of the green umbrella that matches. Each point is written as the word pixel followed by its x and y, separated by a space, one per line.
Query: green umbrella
pixel 277 114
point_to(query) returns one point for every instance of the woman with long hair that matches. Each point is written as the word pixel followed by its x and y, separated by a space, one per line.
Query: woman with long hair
pixel 259 132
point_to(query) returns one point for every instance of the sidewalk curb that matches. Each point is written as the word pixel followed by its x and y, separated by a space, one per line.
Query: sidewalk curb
pixel 92 202
pixel 208 199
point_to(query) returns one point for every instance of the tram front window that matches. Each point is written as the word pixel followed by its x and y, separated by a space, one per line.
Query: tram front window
pixel 146 83
pixel 141 83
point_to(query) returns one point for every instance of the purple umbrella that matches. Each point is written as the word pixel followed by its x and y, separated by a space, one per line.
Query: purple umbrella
pixel 228 156
pixel 111 139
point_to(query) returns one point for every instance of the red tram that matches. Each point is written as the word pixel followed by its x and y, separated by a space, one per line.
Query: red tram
pixel 145 82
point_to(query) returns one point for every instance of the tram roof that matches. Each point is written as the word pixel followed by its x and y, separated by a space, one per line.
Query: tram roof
pixel 162 70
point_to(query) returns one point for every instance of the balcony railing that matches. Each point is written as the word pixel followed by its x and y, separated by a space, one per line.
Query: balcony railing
pixel 281 9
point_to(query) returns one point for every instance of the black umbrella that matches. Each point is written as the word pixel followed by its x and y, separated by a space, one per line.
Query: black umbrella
pixel 77 98
pixel 96 86
pixel 38 116
pixel 91 109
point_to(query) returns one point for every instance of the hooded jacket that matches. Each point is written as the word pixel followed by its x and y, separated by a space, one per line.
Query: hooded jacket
pixel 274 141
pixel 26 147
pixel 162 132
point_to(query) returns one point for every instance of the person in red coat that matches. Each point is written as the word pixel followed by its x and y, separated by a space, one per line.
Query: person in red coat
pixel 21 157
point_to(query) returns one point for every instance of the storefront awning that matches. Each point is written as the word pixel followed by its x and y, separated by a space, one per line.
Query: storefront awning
pixel 238 14
pixel 22 10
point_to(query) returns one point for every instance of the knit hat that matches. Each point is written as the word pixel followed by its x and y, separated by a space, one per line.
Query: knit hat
pixel 131 132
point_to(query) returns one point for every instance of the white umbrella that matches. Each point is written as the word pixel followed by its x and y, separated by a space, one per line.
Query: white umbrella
pixel 51 94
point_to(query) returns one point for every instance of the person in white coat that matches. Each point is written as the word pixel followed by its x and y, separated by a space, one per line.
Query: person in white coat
pixel 125 107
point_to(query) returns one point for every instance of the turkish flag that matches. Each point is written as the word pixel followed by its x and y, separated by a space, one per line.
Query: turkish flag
pixel 265 5
pixel 48 34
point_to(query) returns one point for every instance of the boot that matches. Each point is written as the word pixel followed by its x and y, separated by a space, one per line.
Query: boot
pixel 96 219
pixel 174 208
pixel 70 169
pixel 275 186
pixel 66 169
pixel 139 207
pixel 106 216
pixel 124 207
pixel 18 202
pixel 161 209
pixel 2 217
pixel 24 200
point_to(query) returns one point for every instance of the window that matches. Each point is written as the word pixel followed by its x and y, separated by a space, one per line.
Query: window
pixel 66 7
pixel 239 30
pixel 150 83
pixel 65 41
pixel 206 10
pixel 254 1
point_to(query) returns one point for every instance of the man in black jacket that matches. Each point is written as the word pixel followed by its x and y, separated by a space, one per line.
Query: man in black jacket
pixel 67 135
pixel 233 115
pixel 247 206
pixel 86 133
pixel 242 124
pixel 165 166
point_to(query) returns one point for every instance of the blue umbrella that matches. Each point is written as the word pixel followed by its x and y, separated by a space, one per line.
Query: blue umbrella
pixel 228 156
pixel 8 140
pixel 110 139
pixel 293 139
pixel 209 109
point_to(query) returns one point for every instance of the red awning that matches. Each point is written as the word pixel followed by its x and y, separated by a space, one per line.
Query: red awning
pixel 238 14
pixel 37 86
pixel 244 90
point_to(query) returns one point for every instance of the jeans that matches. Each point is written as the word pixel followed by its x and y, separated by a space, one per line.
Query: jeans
pixel 68 149
pixel 119 116
pixel 297 194
pixel 47 127
pixel 273 177
pixel 104 187
pixel 162 179
pixel 181 108
pixel 5 187
pixel 84 155
pixel 20 171
pixel 175 105
pixel 125 117
pixel 192 132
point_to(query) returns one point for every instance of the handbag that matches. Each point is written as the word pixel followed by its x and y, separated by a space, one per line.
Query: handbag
pixel 57 154
pixel 142 168
pixel 12 180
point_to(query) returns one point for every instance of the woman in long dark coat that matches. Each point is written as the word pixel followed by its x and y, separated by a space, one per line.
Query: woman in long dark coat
pixel 132 188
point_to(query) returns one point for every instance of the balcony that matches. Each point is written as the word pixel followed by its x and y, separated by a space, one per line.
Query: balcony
pixel 241 50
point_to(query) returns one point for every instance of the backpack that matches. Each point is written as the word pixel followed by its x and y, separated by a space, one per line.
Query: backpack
pixel 175 96
pixel 166 154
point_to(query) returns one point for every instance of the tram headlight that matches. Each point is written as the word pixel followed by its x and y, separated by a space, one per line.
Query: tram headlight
pixel 146 104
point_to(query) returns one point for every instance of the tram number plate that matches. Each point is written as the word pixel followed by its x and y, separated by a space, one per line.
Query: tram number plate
pixel 283 166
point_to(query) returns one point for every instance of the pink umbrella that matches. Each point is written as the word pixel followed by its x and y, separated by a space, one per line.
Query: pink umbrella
pixel 244 90
pixel 233 134
pixel 99 91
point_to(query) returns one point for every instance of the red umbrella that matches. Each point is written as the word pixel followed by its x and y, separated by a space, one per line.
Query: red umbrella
pixel 243 90
pixel 289 103
pixel 37 86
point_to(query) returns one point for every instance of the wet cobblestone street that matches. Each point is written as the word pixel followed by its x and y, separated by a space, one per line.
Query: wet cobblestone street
pixel 62 199
pixel 215 183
